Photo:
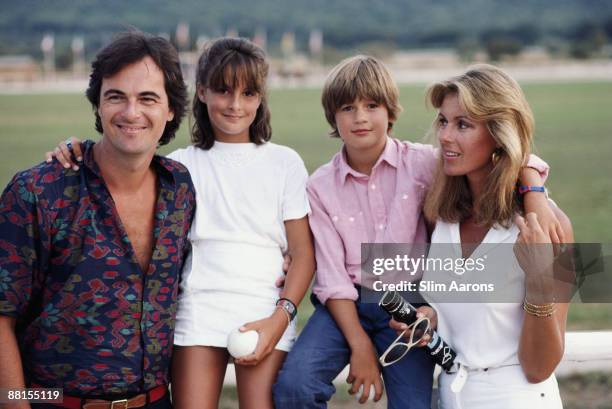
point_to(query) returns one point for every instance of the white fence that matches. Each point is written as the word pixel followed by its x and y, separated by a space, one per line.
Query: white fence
pixel 585 351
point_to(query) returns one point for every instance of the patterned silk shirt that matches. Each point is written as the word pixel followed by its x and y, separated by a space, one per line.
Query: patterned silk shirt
pixel 89 320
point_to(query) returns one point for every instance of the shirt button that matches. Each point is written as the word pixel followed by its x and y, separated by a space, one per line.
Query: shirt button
pixel 405 197
pixel 351 219
pixel 381 226
pixel 373 186
pixel 335 218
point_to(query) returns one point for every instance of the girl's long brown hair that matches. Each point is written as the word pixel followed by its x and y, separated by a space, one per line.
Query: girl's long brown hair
pixel 228 63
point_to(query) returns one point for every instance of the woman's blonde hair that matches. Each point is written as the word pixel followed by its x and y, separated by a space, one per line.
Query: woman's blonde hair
pixel 362 77
pixel 488 95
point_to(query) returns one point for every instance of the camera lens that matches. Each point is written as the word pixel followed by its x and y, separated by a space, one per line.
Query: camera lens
pixel 393 303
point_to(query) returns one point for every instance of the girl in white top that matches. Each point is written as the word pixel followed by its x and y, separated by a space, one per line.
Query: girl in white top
pixel 485 129
pixel 251 208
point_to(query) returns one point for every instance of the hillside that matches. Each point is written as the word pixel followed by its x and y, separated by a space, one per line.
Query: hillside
pixel 345 23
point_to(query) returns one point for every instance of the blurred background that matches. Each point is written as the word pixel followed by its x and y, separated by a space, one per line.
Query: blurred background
pixel 560 52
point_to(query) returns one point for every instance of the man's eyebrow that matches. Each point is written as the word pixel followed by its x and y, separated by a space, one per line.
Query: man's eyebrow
pixel 113 91
pixel 149 94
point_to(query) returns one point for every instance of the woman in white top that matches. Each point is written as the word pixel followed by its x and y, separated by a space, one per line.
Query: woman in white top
pixel 508 350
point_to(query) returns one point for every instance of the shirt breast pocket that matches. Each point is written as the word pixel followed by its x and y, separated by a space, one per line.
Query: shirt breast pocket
pixel 408 205
pixel 352 230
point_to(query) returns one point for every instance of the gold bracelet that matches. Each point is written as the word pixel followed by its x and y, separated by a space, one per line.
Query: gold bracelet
pixel 534 314
pixel 538 307
pixel 540 311
pixel 538 314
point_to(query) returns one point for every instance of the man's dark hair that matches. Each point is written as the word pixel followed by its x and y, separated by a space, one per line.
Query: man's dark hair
pixel 128 48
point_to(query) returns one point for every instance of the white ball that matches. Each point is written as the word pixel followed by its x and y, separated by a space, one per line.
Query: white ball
pixel 370 396
pixel 241 344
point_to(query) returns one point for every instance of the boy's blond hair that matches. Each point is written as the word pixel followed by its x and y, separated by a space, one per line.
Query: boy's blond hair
pixel 359 77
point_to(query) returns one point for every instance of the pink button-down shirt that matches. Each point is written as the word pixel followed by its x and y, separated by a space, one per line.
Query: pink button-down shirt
pixel 350 208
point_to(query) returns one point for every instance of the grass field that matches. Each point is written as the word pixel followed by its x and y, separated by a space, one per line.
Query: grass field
pixel 573 124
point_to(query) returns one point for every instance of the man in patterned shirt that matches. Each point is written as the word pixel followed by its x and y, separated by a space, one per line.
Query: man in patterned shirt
pixel 90 259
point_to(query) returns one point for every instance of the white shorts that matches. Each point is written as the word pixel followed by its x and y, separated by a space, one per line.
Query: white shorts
pixel 499 388
pixel 223 288
pixel 206 318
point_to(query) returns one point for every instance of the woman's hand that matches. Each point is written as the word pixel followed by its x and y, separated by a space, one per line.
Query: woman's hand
pixel 422 312
pixel 538 203
pixel 547 219
pixel 364 370
pixel 63 153
pixel 534 252
pixel 270 331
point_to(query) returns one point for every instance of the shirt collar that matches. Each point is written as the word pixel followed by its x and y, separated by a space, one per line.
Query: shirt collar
pixel 389 155
pixel 88 157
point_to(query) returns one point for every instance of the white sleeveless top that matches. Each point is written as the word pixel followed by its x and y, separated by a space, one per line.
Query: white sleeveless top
pixel 484 334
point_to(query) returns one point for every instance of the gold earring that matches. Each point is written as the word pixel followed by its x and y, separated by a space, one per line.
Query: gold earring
pixel 496 155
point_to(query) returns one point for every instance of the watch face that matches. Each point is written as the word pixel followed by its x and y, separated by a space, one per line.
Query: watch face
pixel 288 307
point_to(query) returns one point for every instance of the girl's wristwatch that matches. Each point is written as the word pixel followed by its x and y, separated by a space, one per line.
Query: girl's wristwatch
pixel 287 305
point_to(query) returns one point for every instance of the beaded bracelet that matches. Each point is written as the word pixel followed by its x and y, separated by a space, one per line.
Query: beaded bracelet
pixel 522 189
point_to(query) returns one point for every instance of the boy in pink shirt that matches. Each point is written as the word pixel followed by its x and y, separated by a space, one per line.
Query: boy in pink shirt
pixel 372 191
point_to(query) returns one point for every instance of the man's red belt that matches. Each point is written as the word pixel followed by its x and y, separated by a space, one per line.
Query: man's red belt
pixel 153 395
